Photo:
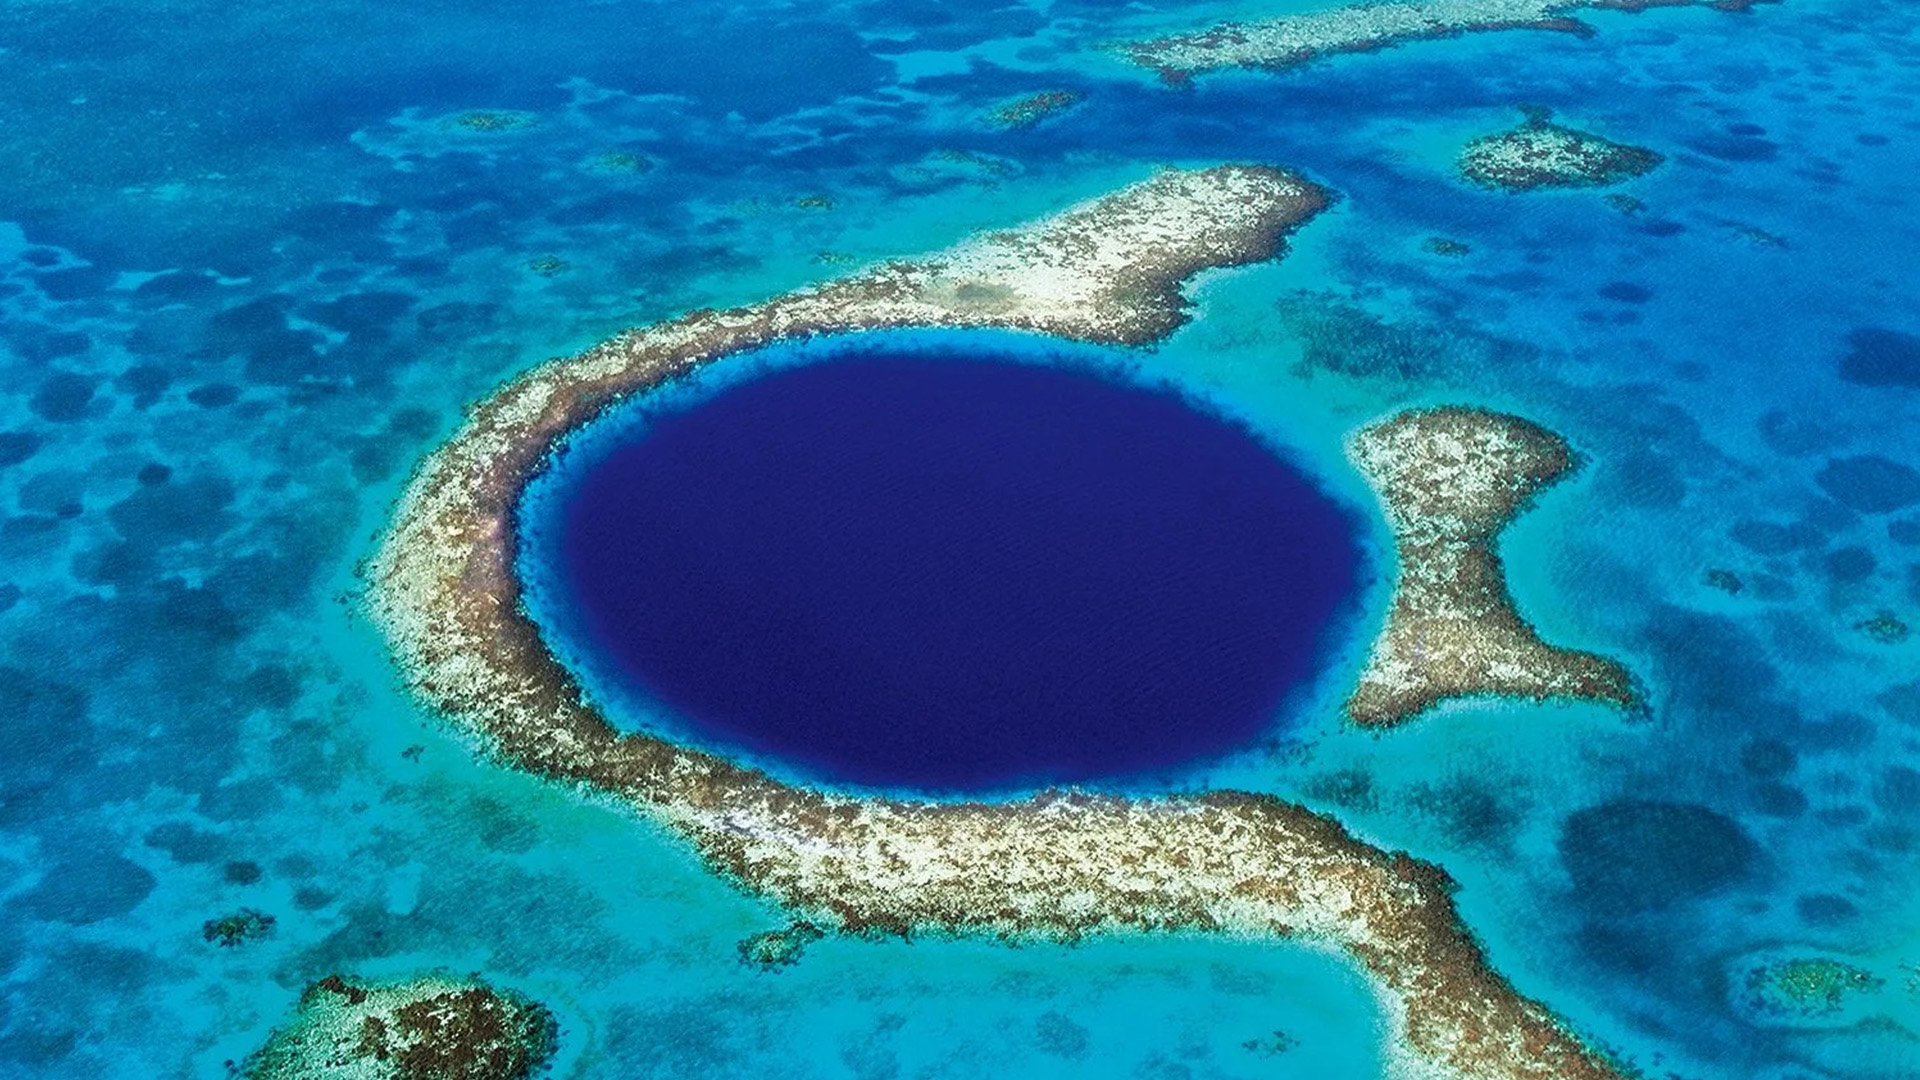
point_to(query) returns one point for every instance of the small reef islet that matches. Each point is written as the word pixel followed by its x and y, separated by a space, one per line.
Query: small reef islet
pixel 1542 154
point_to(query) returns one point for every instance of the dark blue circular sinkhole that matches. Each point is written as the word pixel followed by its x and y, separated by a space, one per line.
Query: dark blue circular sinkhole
pixel 944 568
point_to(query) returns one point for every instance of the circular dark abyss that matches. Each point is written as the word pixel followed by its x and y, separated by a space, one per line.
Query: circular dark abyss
pixel 943 570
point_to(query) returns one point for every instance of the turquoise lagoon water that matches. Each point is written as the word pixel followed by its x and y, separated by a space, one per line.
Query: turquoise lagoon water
pixel 252 273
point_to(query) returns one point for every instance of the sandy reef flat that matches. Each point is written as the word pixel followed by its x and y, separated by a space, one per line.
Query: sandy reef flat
pixel 1291 40
pixel 1056 865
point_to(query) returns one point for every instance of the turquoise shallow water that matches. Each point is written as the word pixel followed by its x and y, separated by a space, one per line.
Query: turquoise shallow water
pixel 281 276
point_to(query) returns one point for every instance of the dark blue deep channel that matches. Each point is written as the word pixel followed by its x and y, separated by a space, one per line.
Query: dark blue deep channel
pixel 945 570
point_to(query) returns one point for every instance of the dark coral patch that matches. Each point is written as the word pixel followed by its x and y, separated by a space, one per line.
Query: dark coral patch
pixel 183 843
pixel 144 383
pixel 1902 702
pixel 192 509
pixel 1773 538
pixel 1880 357
pixel 214 395
pixel 1898 791
pixel 1632 855
pixel 1870 483
pixel 368 314
pixel 89 886
pixel 1768 758
pixel 1736 147
pixel 242 872
pixel 1779 800
pixel 1824 909
pixel 63 397
pixel 177 286
pixel 18 446
pixel 1626 292
pixel 1849 565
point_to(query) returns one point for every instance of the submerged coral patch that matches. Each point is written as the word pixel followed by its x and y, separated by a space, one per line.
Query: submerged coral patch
pixel 1809 990
pixel 1028 111
pixel 1877 356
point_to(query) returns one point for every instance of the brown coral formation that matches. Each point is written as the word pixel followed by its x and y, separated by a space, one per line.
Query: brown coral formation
pixel 1055 865
pixel 1451 479
pixel 433 1028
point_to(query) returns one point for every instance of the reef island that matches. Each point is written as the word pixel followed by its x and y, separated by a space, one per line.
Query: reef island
pixel 1056 865
pixel 1291 40
pixel 1451 480
pixel 1542 154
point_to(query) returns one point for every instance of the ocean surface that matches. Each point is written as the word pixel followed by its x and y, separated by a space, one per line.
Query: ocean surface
pixel 254 261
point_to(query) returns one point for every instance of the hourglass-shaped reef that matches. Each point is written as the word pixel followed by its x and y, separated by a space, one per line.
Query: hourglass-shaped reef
pixel 1053 865
pixel 1451 479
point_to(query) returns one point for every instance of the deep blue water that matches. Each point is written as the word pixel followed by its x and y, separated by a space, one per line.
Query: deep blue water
pixel 953 571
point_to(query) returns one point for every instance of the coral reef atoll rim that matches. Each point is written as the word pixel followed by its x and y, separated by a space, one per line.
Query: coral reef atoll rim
pixel 1055 865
